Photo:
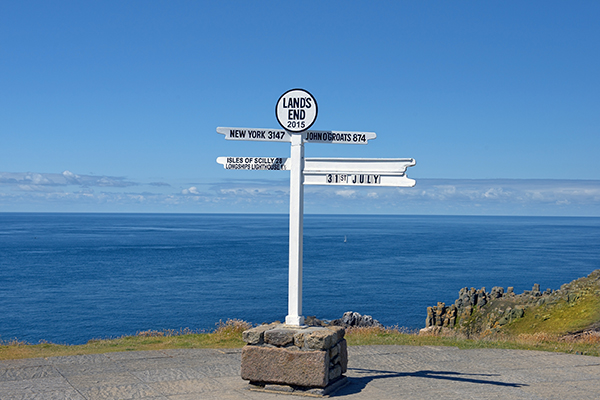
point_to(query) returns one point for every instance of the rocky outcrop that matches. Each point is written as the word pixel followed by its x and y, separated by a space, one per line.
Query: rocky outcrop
pixel 477 311
pixel 465 314
pixel 350 319
pixel 459 315
pixel 353 319
pixel 441 315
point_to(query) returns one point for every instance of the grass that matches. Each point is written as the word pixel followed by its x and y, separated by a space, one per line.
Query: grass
pixel 559 318
pixel 229 335
pixel 588 345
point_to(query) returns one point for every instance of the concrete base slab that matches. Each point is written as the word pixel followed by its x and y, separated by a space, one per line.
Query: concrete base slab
pixel 299 390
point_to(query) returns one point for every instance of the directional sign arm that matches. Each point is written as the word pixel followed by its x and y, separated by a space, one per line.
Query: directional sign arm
pixel 362 165
pixel 255 163
pixel 343 137
pixel 255 134
pixel 358 179
pixel 357 171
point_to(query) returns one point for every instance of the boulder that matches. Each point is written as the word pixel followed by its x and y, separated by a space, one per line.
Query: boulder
pixel 354 319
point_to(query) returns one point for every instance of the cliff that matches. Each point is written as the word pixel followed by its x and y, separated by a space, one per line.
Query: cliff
pixel 574 309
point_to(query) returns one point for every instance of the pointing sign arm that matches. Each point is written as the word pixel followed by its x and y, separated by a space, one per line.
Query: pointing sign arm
pixel 358 179
pixel 357 171
pixel 361 165
pixel 338 137
pixel 255 163
pixel 255 134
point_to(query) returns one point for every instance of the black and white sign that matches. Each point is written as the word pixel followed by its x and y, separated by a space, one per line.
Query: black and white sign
pixel 296 110
pixel 365 179
pixel 358 171
pixel 255 163
pixel 338 137
pixel 255 134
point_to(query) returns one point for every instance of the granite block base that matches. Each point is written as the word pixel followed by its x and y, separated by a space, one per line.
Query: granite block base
pixel 298 360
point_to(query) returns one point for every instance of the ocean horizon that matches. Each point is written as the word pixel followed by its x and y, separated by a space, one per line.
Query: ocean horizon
pixel 72 277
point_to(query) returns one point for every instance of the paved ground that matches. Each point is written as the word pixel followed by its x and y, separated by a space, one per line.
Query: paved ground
pixel 375 372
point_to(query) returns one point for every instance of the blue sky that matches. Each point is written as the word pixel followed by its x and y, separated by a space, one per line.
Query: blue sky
pixel 113 106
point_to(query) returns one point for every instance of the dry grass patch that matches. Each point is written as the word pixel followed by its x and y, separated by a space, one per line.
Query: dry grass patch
pixel 228 334
pixel 586 344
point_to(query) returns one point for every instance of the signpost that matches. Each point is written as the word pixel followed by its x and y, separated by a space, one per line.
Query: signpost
pixel 296 111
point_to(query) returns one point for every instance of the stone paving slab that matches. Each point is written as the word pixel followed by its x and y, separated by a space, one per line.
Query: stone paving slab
pixel 375 372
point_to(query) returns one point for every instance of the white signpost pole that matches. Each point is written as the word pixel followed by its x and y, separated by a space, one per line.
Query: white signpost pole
pixel 294 316
pixel 296 111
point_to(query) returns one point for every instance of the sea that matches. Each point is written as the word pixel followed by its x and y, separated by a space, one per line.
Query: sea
pixel 69 278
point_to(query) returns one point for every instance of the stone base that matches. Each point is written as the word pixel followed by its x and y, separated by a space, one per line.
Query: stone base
pixel 300 390
pixel 294 359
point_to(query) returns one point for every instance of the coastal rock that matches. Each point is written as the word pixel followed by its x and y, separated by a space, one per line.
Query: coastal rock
pixel 497 292
pixel 479 313
pixel 354 319
pixel 460 315
pixel 441 315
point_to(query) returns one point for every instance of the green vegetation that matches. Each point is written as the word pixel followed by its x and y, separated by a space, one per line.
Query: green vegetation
pixel 589 345
pixel 227 335
pixel 572 313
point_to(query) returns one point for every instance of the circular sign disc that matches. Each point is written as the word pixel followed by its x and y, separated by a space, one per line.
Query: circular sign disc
pixel 296 110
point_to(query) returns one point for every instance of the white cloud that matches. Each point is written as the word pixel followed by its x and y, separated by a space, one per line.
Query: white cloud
pixel 38 179
pixel 191 190
pixel 31 180
pixel 33 188
pixel 72 178
pixel 348 193
pixel 495 193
